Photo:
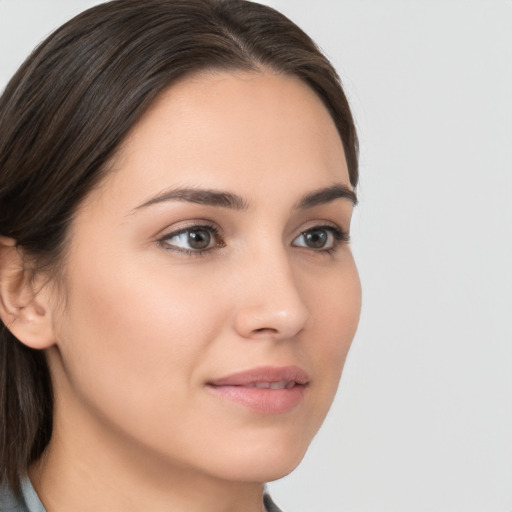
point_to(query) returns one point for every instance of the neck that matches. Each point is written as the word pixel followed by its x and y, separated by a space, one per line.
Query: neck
pixel 85 468
pixel 63 484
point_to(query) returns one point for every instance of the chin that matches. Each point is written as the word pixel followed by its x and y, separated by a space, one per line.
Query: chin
pixel 260 450
pixel 264 463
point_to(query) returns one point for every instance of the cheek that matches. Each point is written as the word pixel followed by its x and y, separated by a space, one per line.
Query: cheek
pixel 138 330
pixel 335 313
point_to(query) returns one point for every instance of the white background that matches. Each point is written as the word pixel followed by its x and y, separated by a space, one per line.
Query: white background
pixel 423 418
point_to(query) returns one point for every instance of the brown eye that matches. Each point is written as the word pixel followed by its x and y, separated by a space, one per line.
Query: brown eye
pixel 199 239
pixel 195 239
pixel 321 238
pixel 316 238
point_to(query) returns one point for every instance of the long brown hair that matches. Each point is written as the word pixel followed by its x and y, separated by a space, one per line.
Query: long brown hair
pixel 68 108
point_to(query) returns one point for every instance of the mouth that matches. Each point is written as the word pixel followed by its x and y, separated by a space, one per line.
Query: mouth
pixel 267 390
pixel 284 384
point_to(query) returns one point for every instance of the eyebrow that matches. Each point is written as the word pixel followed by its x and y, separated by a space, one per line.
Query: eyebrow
pixel 199 196
pixel 326 195
pixel 224 199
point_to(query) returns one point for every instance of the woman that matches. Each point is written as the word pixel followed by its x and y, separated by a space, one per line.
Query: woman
pixel 178 295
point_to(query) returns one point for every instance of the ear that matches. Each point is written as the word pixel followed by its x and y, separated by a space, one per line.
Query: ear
pixel 24 308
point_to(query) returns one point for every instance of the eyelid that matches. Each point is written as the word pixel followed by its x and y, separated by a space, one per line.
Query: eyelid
pixel 341 236
pixel 196 225
pixel 184 225
pixel 324 224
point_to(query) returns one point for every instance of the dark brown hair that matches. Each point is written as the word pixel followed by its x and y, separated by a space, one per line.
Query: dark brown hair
pixel 68 108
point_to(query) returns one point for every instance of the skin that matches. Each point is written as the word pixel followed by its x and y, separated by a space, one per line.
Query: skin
pixel 142 325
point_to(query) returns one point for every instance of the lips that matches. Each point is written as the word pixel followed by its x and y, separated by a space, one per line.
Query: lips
pixel 284 384
pixel 264 374
pixel 269 390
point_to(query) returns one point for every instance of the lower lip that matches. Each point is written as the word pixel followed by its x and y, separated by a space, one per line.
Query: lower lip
pixel 263 400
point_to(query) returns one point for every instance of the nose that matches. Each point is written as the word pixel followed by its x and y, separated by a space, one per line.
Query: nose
pixel 270 303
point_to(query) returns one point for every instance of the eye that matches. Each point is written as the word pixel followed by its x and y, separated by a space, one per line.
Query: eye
pixel 193 239
pixel 321 238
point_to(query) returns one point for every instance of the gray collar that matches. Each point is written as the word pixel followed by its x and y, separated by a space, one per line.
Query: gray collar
pixel 29 500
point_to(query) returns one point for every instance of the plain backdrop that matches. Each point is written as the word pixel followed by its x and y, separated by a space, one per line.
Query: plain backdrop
pixel 423 418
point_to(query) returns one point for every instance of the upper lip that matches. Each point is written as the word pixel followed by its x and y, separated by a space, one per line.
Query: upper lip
pixel 263 374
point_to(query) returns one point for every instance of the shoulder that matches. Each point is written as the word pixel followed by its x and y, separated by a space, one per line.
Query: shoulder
pixel 28 501
pixel 270 506
pixel 9 502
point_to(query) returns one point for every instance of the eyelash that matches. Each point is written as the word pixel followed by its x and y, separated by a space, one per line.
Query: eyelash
pixel 340 237
pixel 210 228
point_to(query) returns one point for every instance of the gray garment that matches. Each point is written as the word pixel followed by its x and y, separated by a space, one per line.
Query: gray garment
pixel 27 502
pixel 30 502
pixel 270 506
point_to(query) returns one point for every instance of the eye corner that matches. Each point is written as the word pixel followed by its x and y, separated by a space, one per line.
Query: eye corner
pixel 322 238
pixel 197 239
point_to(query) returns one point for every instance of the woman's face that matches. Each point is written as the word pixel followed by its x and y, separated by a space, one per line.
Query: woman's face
pixel 210 264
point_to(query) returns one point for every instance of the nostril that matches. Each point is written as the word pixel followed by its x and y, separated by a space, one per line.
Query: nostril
pixel 265 330
pixel 277 317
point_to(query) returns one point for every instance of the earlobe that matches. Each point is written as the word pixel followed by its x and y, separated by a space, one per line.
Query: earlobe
pixel 23 308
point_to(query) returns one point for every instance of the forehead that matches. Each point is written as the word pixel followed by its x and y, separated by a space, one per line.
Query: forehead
pixel 241 131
